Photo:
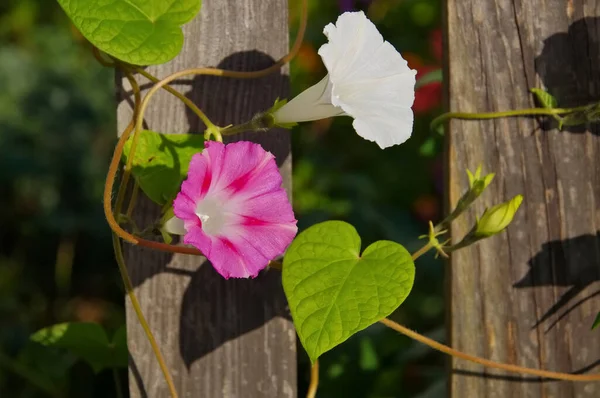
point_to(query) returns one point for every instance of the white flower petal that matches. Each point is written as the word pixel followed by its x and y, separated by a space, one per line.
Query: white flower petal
pixel 385 129
pixel 353 41
pixel 367 80
pixel 175 226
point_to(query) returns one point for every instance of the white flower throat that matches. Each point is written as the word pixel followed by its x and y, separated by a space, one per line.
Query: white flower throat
pixel 212 215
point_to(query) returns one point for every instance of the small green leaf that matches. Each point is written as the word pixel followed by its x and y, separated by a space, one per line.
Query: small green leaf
pixel 545 99
pixel 120 357
pixel 435 76
pixel 334 292
pixel 440 130
pixel 168 213
pixel 161 162
pixel 87 341
pixel 596 321
pixel 368 355
pixel 428 147
pixel 139 32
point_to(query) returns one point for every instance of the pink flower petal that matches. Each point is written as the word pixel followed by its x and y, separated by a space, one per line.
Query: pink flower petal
pixel 234 208
pixel 237 166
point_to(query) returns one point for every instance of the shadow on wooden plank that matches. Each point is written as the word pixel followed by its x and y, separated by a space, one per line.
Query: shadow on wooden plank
pixel 573 263
pixel 573 80
pixel 238 306
pixel 135 373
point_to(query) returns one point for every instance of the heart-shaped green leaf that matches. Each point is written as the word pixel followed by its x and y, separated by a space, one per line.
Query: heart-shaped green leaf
pixel 140 32
pixel 161 162
pixel 334 292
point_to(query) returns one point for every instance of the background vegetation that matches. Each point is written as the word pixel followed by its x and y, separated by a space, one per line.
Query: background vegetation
pixel 57 131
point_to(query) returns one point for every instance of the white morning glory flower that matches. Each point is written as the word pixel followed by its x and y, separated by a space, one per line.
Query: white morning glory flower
pixel 368 80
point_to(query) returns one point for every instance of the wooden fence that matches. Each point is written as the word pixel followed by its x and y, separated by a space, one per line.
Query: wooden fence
pixel 528 296
pixel 220 338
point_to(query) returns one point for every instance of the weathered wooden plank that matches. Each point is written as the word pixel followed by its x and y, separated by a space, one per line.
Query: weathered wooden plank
pixel 528 296
pixel 220 338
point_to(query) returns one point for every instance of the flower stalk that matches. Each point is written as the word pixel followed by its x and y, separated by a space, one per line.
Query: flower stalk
pixel 477 184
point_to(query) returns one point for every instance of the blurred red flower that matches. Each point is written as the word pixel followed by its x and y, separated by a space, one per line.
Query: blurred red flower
pixel 429 96
pixel 435 44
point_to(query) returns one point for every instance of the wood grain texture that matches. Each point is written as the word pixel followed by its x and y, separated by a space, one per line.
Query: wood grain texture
pixel 220 338
pixel 529 295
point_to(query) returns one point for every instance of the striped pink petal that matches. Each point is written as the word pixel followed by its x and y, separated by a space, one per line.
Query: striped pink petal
pixel 234 209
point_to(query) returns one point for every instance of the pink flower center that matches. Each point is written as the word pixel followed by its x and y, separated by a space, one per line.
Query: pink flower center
pixel 211 214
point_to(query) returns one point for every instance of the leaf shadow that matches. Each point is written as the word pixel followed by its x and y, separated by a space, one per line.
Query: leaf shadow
pixel 571 81
pixel 232 101
pixel 572 263
pixel 215 311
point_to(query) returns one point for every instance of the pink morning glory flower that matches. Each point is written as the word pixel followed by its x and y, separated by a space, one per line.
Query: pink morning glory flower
pixel 233 208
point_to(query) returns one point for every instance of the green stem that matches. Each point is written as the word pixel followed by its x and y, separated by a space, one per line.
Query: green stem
pixel 118 387
pixel 496 115
pixel 140 315
pixel 421 251
pixel 133 200
pixel 25 373
pixel 240 128
pixel 445 223
pixel 260 122
pixel 314 381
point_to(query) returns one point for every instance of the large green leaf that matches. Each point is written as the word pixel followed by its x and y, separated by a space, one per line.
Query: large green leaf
pixel 87 341
pixel 161 162
pixel 334 292
pixel 141 32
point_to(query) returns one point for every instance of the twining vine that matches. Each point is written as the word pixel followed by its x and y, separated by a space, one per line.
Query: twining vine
pixel 333 246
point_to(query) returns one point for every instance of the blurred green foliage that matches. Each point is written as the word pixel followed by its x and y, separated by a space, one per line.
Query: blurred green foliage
pixel 56 135
pixel 57 131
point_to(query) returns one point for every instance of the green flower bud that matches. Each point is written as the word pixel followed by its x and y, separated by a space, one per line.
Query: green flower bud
pixel 478 184
pixel 474 177
pixel 497 218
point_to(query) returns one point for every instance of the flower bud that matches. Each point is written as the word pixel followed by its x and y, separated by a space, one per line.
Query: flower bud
pixel 497 218
pixel 476 187
pixel 478 184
